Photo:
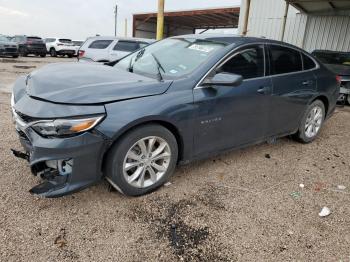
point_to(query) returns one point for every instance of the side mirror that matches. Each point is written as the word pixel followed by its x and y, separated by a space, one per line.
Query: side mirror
pixel 223 79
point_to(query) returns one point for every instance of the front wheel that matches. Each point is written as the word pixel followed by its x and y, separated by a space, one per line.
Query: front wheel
pixel 311 123
pixel 142 160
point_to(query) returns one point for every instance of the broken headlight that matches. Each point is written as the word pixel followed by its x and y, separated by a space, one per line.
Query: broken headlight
pixel 66 127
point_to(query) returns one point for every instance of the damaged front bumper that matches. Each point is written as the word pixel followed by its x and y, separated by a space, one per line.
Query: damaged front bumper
pixel 66 165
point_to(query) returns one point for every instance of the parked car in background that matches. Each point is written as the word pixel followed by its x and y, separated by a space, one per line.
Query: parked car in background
pixel 60 46
pixel 30 45
pixel 339 63
pixel 107 49
pixel 7 47
pixel 77 44
pixel 180 99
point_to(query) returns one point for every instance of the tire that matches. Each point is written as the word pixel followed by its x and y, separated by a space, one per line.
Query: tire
pixel 23 52
pixel 117 159
pixel 15 56
pixel 53 52
pixel 70 56
pixel 307 135
pixel 348 99
pixel 43 55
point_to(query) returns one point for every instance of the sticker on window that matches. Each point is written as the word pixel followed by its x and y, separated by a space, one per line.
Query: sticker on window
pixel 201 48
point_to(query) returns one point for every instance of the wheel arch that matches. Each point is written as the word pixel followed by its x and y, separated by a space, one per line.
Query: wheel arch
pixel 324 100
pixel 164 123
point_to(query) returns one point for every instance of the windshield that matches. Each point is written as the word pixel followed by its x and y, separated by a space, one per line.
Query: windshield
pixel 170 58
pixel 4 39
pixel 334 58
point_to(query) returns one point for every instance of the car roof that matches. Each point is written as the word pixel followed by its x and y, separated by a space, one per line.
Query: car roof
pixel 121 38
pixel 234 39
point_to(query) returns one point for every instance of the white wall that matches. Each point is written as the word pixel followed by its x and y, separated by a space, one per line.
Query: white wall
pixel 306 31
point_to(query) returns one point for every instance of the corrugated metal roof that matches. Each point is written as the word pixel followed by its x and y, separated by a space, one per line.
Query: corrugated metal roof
pixel 320 6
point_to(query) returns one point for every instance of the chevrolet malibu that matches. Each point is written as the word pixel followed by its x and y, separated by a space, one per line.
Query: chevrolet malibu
pixel 175 101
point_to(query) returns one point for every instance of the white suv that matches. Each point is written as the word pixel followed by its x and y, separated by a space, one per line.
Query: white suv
pixel 60 46
pixel 108 49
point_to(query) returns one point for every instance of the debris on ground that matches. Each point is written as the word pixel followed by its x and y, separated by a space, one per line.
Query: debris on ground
pixel 24 67
pixel 341 187
pixel 167 184
pixel 325 211
pixel 295 195
pixel 301 185
pixel 319 186
pixel 60 240
pixel 268 156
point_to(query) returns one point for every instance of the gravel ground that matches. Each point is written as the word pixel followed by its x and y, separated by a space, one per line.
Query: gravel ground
pixel 245 205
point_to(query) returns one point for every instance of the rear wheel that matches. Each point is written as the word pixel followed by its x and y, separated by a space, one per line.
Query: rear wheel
pixel 142 160
pixel 311 123
pixel 70 56
pixel 53 52
pixel 15 56
pixel 43 55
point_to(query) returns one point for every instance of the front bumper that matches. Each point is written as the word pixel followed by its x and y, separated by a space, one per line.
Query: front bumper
pixel 9 51
pixel 83 154
pixel 67 164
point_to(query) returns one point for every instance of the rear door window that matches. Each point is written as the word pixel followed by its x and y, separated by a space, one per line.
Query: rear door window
pixel 284 60
pixel 248 62
pixel 308 62
pixel 100 44
pixel 126 46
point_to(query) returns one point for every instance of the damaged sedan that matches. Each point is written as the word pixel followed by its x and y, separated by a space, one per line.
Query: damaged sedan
pixel 177 100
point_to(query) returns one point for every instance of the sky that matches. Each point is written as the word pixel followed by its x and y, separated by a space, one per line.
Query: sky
pixel 78 19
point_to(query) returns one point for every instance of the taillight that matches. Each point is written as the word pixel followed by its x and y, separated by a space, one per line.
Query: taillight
pixel 81 53
pixel 29 42
pixel 338 78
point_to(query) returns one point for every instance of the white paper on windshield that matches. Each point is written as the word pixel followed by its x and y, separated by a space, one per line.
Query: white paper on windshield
pixel 201 48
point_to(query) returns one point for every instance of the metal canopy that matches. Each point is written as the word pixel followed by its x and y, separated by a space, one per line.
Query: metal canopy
pixel 194 19
pixel 320 6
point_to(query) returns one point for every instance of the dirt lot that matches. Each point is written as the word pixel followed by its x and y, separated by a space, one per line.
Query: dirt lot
pixel 242 206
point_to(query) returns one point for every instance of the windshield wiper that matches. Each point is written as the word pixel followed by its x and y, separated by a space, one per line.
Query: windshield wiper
pixel 138 56
pixel 159 67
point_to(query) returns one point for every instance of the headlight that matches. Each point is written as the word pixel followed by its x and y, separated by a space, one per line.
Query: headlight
pixel 66 127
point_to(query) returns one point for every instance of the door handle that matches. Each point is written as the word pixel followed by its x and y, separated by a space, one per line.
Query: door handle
pixel 264 90
pixel 307 82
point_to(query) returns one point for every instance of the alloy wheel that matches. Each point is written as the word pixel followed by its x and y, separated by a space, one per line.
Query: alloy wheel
pixel 146 162
pixel 313 122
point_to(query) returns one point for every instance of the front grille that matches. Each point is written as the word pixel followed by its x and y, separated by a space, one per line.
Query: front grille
pixel 10 49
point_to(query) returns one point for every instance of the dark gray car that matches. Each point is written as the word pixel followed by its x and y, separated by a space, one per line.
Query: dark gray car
pixel 175 101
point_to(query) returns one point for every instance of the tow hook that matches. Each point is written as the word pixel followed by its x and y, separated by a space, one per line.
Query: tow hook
pixel 20 154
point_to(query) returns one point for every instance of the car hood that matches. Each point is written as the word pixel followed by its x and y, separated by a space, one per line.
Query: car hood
pixel 84 83
pixel 343 70
pixel 7 43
